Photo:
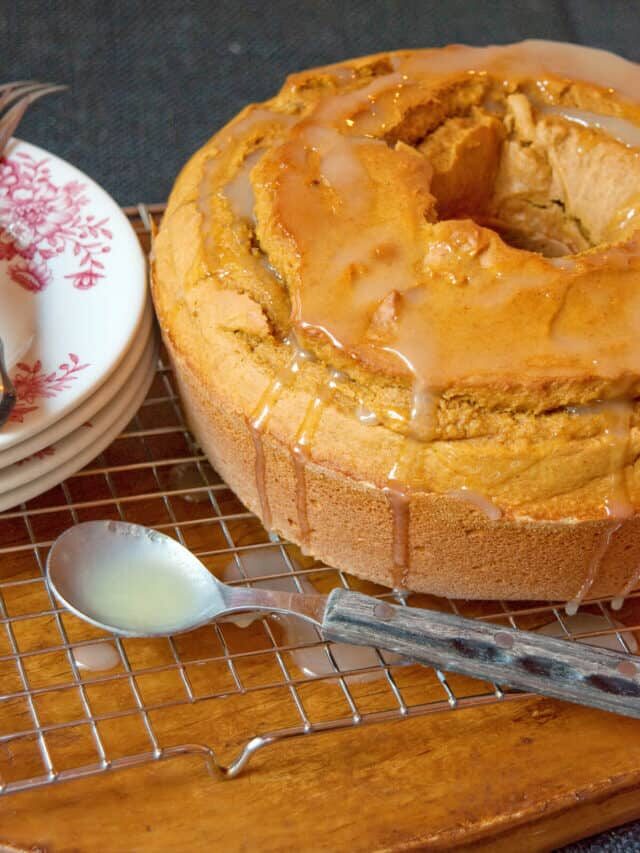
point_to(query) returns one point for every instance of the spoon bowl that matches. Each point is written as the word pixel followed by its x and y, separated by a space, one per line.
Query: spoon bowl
pixel 130 580
pixel 136 582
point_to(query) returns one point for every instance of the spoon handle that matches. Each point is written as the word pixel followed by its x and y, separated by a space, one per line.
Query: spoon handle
pixel 7 391
pixel 238 599
pixel 536 663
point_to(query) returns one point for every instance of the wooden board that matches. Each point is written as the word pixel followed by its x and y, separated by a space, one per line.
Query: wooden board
pixel 526 775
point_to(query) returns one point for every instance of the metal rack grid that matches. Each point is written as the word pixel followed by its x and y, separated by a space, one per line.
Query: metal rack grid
pixel 223 691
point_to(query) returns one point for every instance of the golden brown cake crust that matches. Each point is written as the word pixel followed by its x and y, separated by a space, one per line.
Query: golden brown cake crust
pixel 522 467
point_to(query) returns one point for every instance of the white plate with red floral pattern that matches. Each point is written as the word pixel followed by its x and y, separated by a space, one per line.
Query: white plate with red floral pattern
pixel 31 467
pixel 107 392
pixel 53 464
pixel 72 286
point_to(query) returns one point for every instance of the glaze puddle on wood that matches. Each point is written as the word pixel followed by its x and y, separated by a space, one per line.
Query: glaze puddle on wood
pixel 187 476
pixel 96 657
pixel 312 660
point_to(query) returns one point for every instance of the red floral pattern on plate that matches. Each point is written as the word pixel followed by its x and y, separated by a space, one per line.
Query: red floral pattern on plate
pixel 39 454
pixel 32 383
pixel 40 220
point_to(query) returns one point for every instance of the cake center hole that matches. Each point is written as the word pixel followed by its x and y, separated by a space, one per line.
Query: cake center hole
pixel 542 182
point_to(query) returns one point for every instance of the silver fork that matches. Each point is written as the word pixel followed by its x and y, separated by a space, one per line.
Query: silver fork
pixel 7 391
pixel 15 99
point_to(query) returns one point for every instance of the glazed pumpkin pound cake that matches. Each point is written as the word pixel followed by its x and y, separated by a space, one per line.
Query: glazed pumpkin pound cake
pixel 402 299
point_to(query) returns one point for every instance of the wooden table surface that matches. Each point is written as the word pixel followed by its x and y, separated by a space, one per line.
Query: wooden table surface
pixel 528 775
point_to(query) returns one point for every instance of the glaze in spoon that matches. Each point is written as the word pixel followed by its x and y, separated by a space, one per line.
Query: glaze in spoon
pixel 137 582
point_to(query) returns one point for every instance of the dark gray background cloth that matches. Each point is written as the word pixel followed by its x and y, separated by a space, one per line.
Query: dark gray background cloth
pixel 151 80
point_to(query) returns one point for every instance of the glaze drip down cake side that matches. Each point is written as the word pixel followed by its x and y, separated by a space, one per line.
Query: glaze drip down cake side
pixel 402 299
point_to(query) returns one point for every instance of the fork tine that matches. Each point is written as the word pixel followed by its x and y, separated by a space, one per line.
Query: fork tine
pixel 11 119
pixel 13 83
pixel 7 391
pixel 17 91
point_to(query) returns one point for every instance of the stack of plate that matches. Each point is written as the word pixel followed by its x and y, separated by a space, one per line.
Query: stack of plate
pixel 75 318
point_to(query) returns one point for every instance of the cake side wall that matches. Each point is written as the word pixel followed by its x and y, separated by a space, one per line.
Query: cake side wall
pixel 455 550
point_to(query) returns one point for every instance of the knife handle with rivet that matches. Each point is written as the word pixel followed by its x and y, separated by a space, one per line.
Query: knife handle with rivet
pixel 536 663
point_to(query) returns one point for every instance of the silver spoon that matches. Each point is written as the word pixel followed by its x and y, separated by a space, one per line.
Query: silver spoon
pixel 133 581
pixel 7 391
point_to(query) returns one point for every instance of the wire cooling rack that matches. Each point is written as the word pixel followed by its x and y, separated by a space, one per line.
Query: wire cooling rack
pixel 223 691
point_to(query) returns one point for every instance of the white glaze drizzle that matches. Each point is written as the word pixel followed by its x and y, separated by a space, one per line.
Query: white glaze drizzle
pixel 258 421
pixel 398 496
pixel 301 448
pixel 618 128
pixel 252 120
pixel 239 191
pixel 204 208
pixel 617 432
pixel 366 416
pixel 593 568
pixel 617 503
pixel 260 472
pixel 478 501
pixel 424 410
